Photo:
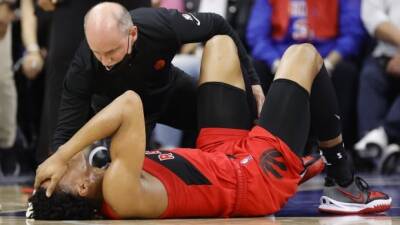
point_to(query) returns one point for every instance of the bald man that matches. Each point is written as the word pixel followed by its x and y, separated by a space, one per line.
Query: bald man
pixel 133 51
pixel 66 35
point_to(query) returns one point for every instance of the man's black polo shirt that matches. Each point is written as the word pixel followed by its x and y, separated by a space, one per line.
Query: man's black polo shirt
pixel 161 33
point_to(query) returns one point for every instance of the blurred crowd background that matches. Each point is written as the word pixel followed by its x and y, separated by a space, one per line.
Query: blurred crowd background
pixel 359 40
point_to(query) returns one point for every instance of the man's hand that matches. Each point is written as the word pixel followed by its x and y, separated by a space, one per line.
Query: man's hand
pixel 333 58
pixel 32 64
pixel 259 96
pixel 393 67
pixel 52 169
pixel 189 48
pixel 47 5
pixel 275 65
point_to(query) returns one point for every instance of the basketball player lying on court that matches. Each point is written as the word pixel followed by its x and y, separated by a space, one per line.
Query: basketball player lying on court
pixel 237 169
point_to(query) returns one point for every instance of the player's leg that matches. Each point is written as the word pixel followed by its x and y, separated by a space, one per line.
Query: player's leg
pixel 343 193
pixel 282 115
pixel 223 112
pixel 286 112
pixel 222 99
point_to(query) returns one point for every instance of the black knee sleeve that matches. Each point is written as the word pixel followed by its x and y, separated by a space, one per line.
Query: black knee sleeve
pixel 286 113
pixel 325 116
pixel 222 105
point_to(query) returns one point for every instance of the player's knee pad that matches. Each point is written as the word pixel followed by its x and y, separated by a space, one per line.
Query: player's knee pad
pixel 223 105
pixel 286 113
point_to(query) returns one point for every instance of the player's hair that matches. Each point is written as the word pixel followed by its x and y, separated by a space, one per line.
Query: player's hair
pixel 62 206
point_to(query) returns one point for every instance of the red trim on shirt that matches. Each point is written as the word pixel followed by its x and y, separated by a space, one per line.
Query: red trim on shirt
pixel 109 212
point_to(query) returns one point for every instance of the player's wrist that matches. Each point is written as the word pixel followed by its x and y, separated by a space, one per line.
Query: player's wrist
pixel 32 48
pixel 64 153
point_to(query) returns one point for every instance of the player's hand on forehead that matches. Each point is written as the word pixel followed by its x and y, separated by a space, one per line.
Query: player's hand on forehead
pixel 52 170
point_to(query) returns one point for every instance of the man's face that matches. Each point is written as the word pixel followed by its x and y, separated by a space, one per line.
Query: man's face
pixel 111 47
pixel 81 178
pixel 6 16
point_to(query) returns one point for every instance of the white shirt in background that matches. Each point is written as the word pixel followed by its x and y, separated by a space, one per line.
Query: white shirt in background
pixel 215 6
pixel 373 13
pixel 5 55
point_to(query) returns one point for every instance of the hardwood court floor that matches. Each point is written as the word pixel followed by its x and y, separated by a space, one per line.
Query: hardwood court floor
pixel 302 209
pixel 245 221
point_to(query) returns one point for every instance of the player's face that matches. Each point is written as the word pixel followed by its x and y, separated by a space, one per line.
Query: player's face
pixel 81 178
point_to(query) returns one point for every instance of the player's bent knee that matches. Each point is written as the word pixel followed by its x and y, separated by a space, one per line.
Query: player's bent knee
pixel 220 62
pixel 220 43
pixel 131 99
pixel 305 54
pixel 300 61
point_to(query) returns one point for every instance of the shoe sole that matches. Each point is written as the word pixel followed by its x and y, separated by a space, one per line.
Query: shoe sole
pixel 335 207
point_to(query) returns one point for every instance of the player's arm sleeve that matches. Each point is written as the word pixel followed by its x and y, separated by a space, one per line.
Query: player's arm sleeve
pixel 200 27
pixel 258 33
pixel 74 107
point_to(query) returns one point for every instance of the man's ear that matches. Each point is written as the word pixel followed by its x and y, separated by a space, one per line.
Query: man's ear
pixel 83 188
pixel 133 32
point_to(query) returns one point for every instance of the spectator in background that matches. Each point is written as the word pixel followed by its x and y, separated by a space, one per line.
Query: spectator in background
pixel 33 59
pixel 25 89
pixel 332 26
pixel 65 37
pixel 379 101
pixel 236 12
pixel 29 51
pixel 8 94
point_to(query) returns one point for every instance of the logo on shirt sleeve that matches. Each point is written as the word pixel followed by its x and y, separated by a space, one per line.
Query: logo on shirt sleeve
pixel 189 16
pixel 159 64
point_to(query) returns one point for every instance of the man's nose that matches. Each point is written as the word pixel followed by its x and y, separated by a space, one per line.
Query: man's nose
pixel 106 61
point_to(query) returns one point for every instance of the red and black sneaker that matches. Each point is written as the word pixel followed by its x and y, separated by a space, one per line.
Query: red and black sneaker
pixel 313 165
pixel 356 198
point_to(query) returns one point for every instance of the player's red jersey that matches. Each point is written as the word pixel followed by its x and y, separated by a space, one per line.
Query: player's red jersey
pixel 232 173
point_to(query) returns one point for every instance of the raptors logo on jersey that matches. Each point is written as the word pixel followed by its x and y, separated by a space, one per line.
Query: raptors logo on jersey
pixel 271 161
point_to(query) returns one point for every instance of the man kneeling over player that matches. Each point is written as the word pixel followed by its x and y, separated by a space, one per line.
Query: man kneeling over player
pixel 237 169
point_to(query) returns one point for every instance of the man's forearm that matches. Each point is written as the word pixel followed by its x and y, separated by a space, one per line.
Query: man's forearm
pixel 388 32
pixel 29 26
